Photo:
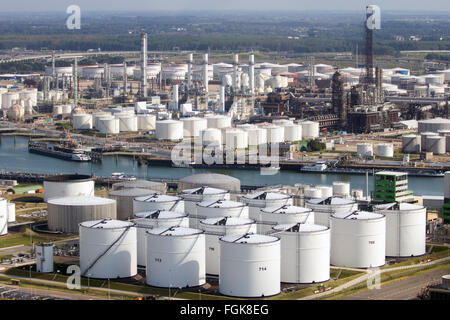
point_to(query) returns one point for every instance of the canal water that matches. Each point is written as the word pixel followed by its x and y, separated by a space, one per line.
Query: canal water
pixel 14 156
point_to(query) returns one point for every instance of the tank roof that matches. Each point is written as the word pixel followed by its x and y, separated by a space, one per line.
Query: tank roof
pixel 174 231
pixel 157 198
pixel 357 215
pixel 249 239
pixel 227 221
pixel 203 190
pixel 264 195
pixel 80 201
pixel 286 209
pixel 106 224
pixel 133 192
pixel 69 178
pixel 159 214
pixel 221 204
pixel 300 227
pixel 331 201
pixel 398 206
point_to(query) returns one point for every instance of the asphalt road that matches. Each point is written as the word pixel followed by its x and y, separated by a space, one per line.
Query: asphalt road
pixel 406 289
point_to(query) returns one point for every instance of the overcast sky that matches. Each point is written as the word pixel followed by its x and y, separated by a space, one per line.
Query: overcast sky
pixel 284 5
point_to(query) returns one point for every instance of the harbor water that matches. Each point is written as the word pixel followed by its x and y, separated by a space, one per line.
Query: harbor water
pixel 14 156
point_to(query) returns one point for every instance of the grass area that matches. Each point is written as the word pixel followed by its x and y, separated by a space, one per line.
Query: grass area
pixel 23 238
pixel 93 283
pixel 438 252
pixel 24 188
pixel 345 276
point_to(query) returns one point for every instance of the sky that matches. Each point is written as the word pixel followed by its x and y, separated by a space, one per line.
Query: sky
pixel 442 6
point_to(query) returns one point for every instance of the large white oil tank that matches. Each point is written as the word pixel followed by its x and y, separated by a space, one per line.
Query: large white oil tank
pixel 3 217
pixel 8 99
pixel 169 130
pixel 263 199
pixel 124 199
pixel 11 207
pixel 175 257
pixel 236 139
pixel 292 132
pixel 275 134
pixel 405 229
pixel 341 189
pixel 221 208
pixel 65 214
pixel 327 191
pixel 310 129
pixel 268 217
pixel 192 126
pixel 282 122
pixel 82 121
pixel 250 266
pixel 146 122
pixel 211 136
pixel 217 227
pixel 313 193
pixel 305 252
pixel 364 149
pixel 108 249
pixel 44 257
pixel 256 135
pixel 411 143
pixel 158 202
pixel 218 121
pixel 108 125
pixel 325 207
pixel 446 134
pixel 29 94
pixel 66 185
pixel 155 219
pixel 385 150
pixel 128 123
pixel 423 139
pixel 158 187
pixel 358 239
pixel 435 144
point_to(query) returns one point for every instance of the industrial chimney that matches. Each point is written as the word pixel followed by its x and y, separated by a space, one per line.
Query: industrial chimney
pixel 205 72
pixel 144 64
pixel 251 73
pixel 189 77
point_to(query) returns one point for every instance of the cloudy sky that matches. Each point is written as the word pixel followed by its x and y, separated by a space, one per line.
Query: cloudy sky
pixel 284 5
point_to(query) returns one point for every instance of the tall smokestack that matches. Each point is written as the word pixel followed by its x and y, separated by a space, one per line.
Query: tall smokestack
pixel 75 82
pixel 373 22
pixel 125 78
pixel 175 96
pixel 53 65
pixel 222 99
pixel 235 67
pixel 205 71
pixel 189 76
pixel 251 73
pixel 144 64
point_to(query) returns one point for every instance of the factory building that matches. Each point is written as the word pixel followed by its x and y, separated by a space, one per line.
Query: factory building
pixel 391 187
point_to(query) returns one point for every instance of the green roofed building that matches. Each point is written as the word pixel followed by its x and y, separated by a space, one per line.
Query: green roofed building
pixel 392 187
pixel 446 207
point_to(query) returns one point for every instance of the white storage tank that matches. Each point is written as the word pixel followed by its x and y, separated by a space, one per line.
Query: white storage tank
pixel 146 122
pixel 385 150
pixel 435 144
pixel 82 121
pixel 8 99
pixel 155 219
pixel 124 199
pixel 169 130
pixel 256 201
pixel 411 143
pixel 193 126
pixel 175 257
pixel 221 208
pixel 364 149
pixel 249 266
pixel 108 125
pixel 275 134
pixel 65 214
pixel 305 252
pixel 218 121
pixel 256 135
pixel 3 217
pixel 236 139
pixel 268 217
pixel 217 227
pixel 325 207
pixel 446 134
pixel 128 123
pixel 405 229
pixel 310 129
pixel 313 193
pixel 158 187
pixel 292 132
pixel 11 207
pixel 108 249
pixel 44 257
pixel 66 185
pixel 341 189
pixel 211 136
pixel 358 239
pixel 424 137
pixel 213 180
pixel 157 201
pixel 327 191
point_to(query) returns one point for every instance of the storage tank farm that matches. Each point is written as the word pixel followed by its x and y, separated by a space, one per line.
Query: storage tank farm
pixel 305 252
pixel 358 239
pixel 323 208
pixel 217 227
pixel 108 249
pixel 155 219
pixel 405 228
pixel 268 217
pixel 250 266
pixel 157 201
pixel 175 257
pixel 124 199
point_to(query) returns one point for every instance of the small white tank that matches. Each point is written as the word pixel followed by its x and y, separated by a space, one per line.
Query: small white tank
pixel 169 130
pixel 423 139
pixel 217 227
pixel 411 143
pixel 3 217
pixel 264 199
pixel 249 266
pixel 158 202
pixel 221 208
pixel 275 134
pixel 268 217
pixel 11 212
pixel 305 253
pixel 364 149
pixel 175 257
pixel 323 208
pixel 436 144
pixel 327 191
pixel 193 126
pixel 292 132
pixel 44 257
pixel 310 129
pixel 155 219
pixel 146 122
pixel 341 189
pixel 193 196
pixel 385 150
pixel 313 193
pixel 236 139
pixel 211 136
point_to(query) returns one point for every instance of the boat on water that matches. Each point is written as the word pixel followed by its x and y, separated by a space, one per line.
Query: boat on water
pixel 122 176
pixel 270 170
pixel 58 151
pixel 318 167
